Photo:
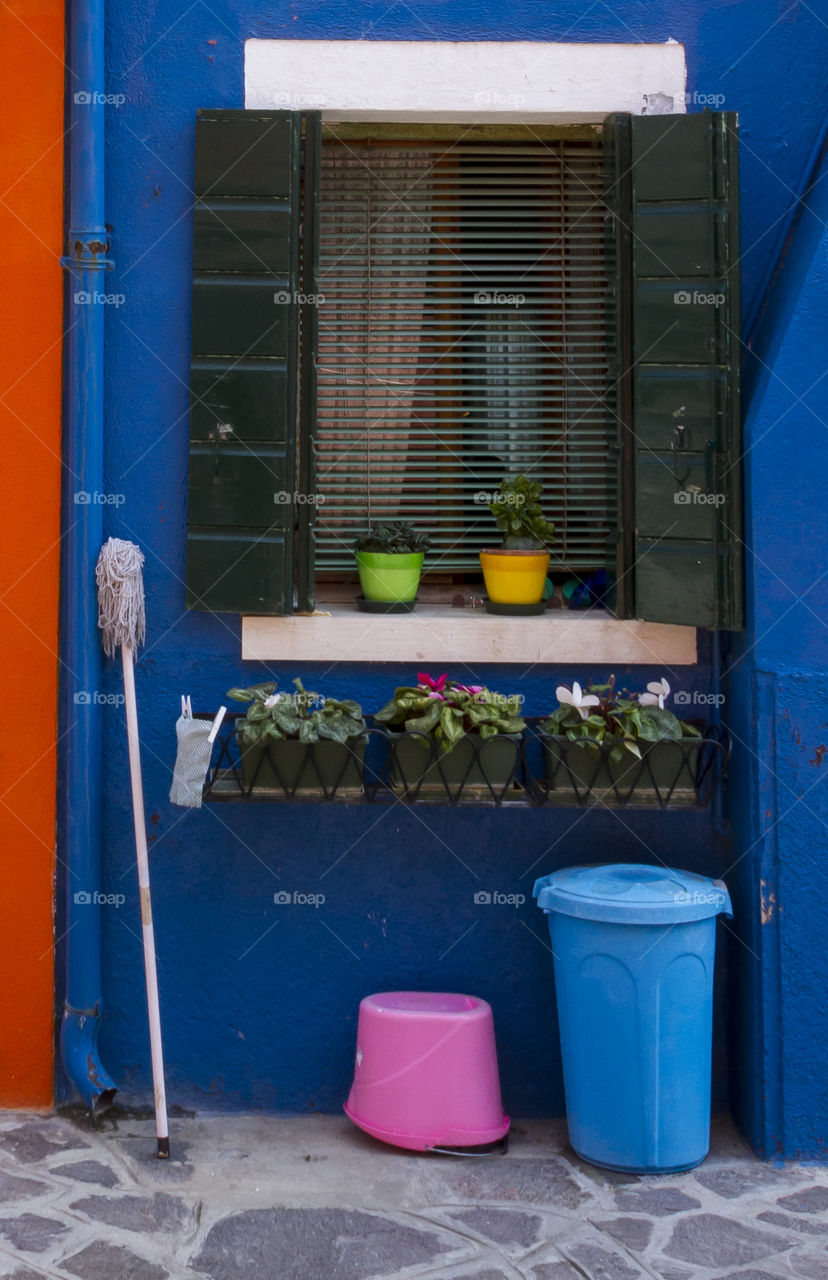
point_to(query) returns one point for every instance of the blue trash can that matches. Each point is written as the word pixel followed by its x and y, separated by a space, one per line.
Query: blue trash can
pixel 633 950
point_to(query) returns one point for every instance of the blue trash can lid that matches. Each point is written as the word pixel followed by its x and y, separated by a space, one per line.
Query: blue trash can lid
pixel 631 893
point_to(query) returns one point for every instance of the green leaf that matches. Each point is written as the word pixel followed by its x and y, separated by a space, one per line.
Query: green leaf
pixel 451 724
pixel 256 693
pixel 658 724
pixel 428 720
pixel 390 713
pixel 333 730
pixel 308 731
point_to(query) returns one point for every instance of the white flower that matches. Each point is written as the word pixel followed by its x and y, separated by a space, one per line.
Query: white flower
pixel 273 699
pixel 657 691
pixel 575 698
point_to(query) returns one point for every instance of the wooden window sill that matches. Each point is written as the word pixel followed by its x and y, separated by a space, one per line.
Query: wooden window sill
pixel 440 633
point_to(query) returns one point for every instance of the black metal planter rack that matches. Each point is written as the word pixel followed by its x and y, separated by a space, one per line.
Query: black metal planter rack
pixel 530 769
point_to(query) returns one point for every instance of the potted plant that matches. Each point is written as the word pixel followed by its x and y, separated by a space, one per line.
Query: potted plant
pixel 299 743
pixel 390 560
pixel 611 743
pixel 515 573
pixel 451 734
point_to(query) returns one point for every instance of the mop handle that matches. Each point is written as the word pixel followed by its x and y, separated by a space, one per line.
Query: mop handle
pixel 142 860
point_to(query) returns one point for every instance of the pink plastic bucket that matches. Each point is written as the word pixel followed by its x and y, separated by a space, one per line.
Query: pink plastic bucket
pixel 426 1071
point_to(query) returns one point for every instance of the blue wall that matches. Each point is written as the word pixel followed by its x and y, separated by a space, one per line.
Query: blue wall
pixel 779 701
pixel 271 1023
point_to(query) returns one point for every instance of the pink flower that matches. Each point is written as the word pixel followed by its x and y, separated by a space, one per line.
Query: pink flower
pixel 428 682
pixel 471 688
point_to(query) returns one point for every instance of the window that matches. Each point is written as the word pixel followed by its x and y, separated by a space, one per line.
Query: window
pixel 617 378
pixel 462 337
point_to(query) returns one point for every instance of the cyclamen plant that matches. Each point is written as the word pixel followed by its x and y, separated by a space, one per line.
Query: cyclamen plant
pixel 622 720
pixel 308 716
pixel 449 710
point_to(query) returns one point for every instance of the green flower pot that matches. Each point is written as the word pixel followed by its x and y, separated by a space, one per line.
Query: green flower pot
pixel 572 768
pixel 415 768
pixel 306 768
pixel 393 579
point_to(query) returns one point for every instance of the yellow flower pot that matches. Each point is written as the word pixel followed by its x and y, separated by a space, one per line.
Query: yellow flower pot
pixel 514 577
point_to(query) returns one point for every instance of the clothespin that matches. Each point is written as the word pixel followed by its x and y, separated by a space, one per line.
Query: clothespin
pixel 222 711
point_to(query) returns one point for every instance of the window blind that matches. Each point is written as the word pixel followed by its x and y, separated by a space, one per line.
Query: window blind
pixel 461 338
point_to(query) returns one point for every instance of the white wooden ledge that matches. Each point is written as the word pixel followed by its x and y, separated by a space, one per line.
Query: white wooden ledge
pixel 440 633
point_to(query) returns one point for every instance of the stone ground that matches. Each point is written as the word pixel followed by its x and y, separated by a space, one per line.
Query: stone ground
pixel 249 1197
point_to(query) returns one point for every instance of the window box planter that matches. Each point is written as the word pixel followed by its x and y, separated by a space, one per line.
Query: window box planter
pixel 666 771
pixel 474 764
pixel 304 769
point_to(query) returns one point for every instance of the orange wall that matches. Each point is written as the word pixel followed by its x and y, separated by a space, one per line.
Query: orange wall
pixel 31 192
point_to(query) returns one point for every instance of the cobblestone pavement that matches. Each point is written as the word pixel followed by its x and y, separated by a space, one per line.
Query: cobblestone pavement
pixel 254 1197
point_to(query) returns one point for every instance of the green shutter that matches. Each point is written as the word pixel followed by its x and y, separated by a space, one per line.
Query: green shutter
pixel 244 371
pixel 672 186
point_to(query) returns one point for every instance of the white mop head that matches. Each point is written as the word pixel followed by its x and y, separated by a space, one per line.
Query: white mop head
pixel 120 595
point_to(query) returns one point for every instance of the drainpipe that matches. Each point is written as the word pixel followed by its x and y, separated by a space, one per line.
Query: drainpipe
pixel 81 789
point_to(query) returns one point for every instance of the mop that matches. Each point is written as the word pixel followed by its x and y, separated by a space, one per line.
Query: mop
pixel 122 622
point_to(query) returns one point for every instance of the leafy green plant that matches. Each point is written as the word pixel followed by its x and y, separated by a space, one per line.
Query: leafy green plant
pixel 447 710
pixel 308 716
pixel 603 716
pixel 394 538
pixel 517 509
